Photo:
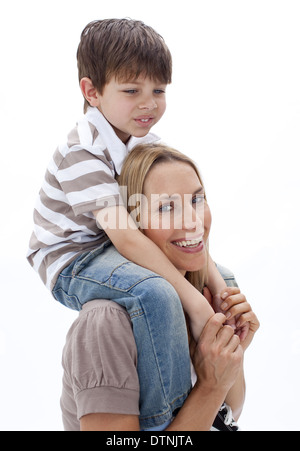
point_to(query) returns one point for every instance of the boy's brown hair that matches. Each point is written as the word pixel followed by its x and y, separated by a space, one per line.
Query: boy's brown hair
pixel 123 48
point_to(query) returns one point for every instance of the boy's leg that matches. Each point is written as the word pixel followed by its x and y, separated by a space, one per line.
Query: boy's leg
pixel 163 353
pixel 158 325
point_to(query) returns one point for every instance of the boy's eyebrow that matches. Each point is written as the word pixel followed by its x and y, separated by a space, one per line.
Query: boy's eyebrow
pixel 136 82
pixel 131 82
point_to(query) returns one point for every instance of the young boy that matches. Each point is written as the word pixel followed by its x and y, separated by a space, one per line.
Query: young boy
pixel 124 68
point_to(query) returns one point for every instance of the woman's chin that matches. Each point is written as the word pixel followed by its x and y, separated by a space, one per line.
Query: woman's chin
pixel 197 265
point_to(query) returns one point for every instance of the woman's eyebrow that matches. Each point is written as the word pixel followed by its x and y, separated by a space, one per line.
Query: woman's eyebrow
pixel 170 197
pixel 198 191
pixel 175 195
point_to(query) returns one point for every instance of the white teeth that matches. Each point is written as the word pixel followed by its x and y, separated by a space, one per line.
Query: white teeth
pixel 144 120
pixel 187 243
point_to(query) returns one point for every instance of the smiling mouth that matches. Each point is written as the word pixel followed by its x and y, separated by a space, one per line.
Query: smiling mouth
pixel 188 243
pixel 144 120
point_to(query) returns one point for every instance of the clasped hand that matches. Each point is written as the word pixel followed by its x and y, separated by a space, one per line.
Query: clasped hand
pixel 240 316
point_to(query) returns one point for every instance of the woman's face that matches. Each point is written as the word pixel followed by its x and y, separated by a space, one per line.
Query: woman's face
pixel 175 215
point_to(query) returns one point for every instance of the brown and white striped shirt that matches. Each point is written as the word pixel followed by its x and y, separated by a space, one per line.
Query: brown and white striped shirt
pixel 79 179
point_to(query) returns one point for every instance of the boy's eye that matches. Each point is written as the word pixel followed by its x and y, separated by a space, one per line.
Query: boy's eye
pixel 159 91
pixel 130 91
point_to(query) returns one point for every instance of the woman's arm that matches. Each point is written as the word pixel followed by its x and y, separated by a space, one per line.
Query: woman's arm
pixel 235 304
pixel 217 359
pixel 109 422
pixel 236 396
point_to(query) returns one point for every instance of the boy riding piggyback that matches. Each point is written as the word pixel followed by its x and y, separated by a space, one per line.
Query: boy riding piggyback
pixel 85 245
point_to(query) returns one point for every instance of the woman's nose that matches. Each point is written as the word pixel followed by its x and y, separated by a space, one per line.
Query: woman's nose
pixel 192 220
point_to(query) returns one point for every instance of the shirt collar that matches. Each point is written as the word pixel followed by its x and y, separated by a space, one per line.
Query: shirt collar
pixel 117 149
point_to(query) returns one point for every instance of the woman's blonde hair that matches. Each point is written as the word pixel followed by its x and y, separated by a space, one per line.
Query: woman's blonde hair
pixel 135 169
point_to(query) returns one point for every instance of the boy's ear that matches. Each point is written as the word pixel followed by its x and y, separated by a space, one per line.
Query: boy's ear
pixel 89 91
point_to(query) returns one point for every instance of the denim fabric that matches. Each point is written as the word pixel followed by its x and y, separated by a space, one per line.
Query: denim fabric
pixel 158 324
pixel 227 276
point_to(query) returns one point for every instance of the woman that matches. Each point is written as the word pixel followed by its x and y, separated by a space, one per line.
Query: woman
pixel 101 389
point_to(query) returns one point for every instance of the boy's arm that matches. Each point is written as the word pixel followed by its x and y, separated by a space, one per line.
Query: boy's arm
pixel 136 247
pixel 217 285
pixel 215 282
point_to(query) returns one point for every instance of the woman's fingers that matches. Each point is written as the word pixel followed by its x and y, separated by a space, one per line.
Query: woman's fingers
pixel 228 339
pixel 232 299
pixel 238 309
pixel 212 328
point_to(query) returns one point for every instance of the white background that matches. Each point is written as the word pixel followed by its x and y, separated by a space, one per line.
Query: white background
pixel 233 106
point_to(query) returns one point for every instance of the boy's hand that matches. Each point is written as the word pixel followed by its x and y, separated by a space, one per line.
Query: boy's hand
pixel 234 305
pixel 217 300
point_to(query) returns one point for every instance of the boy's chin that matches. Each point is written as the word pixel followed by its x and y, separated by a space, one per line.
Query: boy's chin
pixel 140 133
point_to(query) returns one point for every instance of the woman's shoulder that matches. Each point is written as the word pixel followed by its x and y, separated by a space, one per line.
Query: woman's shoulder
pixel 103 307
pixel 100 364
pixel 227 275
pixel 102 321
pixel 101 311
pixel 100 349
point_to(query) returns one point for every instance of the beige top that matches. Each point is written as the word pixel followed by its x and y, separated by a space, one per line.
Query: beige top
pixel 99 362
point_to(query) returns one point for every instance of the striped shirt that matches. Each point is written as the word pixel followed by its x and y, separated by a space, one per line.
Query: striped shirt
pixel 79 180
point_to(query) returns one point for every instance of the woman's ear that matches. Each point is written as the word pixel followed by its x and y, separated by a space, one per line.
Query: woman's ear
pixel 89 91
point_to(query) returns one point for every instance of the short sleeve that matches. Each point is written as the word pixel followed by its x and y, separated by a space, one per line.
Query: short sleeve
pixel 100 361
pixel 88 181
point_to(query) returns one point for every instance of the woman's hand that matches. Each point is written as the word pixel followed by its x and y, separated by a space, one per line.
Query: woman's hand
pixel 235 306
pixel 217 356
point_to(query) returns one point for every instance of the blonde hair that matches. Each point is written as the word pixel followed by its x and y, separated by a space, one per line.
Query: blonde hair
pixel 135 169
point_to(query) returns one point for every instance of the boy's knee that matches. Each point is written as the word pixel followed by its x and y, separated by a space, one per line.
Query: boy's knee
pixel 159 294
pixel 161 305
pixel 159 286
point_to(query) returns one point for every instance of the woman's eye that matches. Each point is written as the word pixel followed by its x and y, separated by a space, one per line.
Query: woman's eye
pixel 165 208
pixel 198 199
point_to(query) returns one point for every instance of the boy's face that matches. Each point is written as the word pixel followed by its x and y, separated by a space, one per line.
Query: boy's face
pixel 132 108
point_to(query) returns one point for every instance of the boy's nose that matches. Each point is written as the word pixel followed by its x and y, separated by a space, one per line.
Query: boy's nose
pixel 148 103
